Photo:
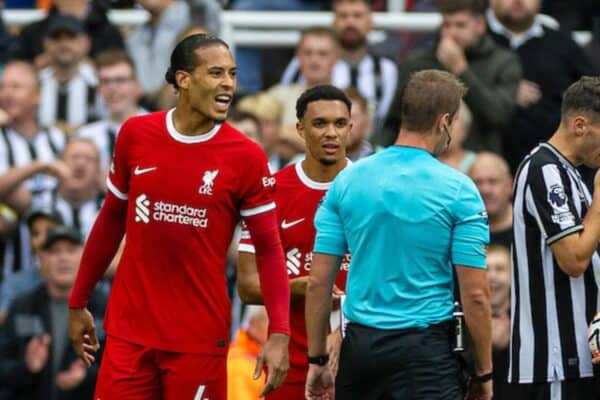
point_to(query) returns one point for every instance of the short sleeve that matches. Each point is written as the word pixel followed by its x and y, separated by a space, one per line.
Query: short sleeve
pixel 257 185
pixel 118 175
pixel 549 198
pixel 330 238
pixel 245 244
pixel 470 234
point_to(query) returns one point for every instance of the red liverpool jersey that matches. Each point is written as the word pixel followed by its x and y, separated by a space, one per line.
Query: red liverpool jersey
pixel 185 195
pixel 297 198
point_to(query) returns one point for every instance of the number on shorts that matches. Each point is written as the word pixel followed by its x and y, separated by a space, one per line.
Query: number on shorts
pixel 200 392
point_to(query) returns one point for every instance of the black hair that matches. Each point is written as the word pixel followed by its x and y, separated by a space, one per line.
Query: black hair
pixel 184 55
pixel 583 97
pixel 320 92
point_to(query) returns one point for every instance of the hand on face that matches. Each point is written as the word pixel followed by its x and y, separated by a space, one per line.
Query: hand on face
pixel 451 55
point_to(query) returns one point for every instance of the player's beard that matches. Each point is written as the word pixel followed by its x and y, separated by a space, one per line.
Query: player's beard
pixel 327 161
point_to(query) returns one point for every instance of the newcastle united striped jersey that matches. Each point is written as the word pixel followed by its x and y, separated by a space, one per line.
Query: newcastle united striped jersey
pixel 550 310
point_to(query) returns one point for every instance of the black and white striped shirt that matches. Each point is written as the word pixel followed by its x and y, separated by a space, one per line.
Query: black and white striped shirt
pixel 104 134
pixel 79 216
pixel 75 102
pixel 375 78
pixel 550 310
pixel 16 151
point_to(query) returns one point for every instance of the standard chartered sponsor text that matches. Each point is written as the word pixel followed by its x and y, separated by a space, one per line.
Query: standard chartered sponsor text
pixel 180 214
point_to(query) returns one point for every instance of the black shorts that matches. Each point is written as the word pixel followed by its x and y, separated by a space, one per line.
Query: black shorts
pixel 408 364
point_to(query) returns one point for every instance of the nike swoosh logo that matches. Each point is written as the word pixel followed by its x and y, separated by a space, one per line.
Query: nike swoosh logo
pixel 285 225
pixel 139 171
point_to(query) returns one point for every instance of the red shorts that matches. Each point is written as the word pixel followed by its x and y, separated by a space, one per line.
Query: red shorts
pixel 288 391
pixel 132 372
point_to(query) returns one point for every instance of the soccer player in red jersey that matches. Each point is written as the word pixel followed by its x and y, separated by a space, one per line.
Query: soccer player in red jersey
pixel 179 182
pixel 324 122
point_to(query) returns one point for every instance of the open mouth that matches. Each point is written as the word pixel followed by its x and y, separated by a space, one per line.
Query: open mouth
pixel 330 148
pixel 222 102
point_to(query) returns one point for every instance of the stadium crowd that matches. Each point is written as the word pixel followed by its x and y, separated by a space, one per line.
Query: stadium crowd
pixel 70 81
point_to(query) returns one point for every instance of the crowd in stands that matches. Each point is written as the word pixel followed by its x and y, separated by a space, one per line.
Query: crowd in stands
pixel 69 81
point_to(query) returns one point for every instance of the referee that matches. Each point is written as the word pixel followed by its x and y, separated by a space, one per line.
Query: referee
pixel 556 231
pixel 407 219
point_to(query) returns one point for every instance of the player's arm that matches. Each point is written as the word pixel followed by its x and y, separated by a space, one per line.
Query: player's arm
pixel 573 241
pixel 330 247
pixel 248 282
pixel 475 299
pixel 270 264
pixel 470 236
pixel 574 252
pixel 100 249
pixel 101 246
pixel 323 271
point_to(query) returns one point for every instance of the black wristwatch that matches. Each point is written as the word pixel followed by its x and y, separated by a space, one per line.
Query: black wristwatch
pixel 319 360
pixel 482 378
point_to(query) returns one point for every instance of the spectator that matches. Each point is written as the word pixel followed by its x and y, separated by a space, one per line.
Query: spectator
pixel 37 361
pixel 28 153
pixel 317 53
pixel 166 97
pixel 78 197
pixel 68 83
pixel 551 62
pixel 357 143
pixel 269 112
pixel 29 44
pixel 375 77
pixel 457 156
pixel 241 360
pixel 120 92
pixel 492 177
pixel 490 72
pixel 498 267
pixel 592 49
pixel 39 222
pixel 150 45
pixel 246 123
pixel 249 59
pixel 290 146
pixel 206 13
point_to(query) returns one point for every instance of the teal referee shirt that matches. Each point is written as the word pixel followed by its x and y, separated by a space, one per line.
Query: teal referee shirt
pixel 406 219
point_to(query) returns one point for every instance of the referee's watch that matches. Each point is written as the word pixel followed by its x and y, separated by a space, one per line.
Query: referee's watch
pixel 319 360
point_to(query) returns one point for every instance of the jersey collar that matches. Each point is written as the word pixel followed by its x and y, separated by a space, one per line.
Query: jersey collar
pixel 180 137
pixel 312 183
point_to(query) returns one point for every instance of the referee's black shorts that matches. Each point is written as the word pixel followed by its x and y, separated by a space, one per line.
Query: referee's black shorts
pixel 408 364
